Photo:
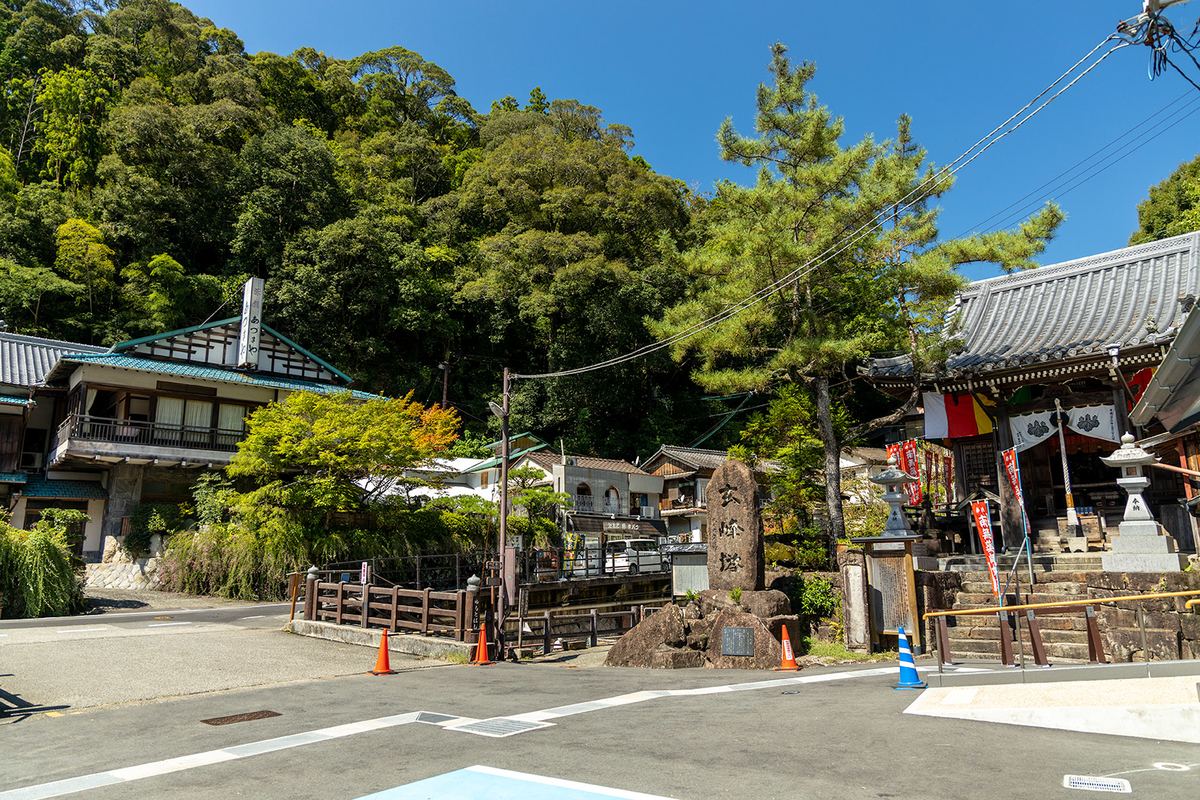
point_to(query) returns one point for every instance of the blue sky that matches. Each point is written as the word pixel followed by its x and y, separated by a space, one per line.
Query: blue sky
pixel 672 71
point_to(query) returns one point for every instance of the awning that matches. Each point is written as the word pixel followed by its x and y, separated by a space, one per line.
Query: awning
pixel 64 490
pixel 618 528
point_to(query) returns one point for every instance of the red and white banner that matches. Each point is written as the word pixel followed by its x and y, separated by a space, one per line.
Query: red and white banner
pixel 1013 470
pixel 912 466
pixel 905 454
pixel 948 477
pixel 983 524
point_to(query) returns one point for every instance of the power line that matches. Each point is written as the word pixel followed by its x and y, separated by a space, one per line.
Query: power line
pixel 812 264
pixel 1194 105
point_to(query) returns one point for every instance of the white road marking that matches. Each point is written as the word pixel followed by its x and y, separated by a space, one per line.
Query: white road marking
pixel 80 630
pixel 166 624
pixel 256 616
pixel 139 771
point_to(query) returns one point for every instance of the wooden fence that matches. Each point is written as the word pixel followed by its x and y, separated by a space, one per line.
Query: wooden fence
pixel 547 629
pixel 415 610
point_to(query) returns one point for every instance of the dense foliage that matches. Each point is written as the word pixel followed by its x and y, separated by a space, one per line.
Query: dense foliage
pixel 148 164
pixel 320 477
pixel 39 577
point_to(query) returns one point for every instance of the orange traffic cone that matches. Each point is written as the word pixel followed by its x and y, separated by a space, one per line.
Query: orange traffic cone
pixel 789 658
pixel 481 652
pixel 382 667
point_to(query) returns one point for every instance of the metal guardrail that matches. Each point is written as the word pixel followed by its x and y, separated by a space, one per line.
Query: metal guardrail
pixel 1095 645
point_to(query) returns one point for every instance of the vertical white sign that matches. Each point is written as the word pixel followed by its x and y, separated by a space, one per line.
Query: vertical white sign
pixel 251 328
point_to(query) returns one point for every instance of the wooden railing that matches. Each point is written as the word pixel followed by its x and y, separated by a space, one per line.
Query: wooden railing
pixel 159 434
pixel 546 630
pixel 420 611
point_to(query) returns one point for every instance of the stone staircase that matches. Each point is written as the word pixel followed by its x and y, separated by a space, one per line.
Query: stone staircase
pixel 1064 636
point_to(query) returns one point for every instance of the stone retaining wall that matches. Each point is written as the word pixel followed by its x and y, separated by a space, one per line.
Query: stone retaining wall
pixel 118 569
pixel 1172 632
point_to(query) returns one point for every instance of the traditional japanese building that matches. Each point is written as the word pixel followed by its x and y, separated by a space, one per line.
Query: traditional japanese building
pixel 1051 361
pixel 105 429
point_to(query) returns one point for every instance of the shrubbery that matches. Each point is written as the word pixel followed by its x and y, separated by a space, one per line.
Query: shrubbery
pixel 39 576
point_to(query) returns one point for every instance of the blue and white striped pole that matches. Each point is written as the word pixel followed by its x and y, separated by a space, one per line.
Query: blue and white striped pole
pixel 908 668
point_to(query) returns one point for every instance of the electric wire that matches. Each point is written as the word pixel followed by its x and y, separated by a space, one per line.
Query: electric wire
pixel 1060 180
pixel 812 264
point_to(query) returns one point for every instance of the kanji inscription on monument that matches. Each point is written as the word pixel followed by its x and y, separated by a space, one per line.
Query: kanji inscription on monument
pixel 735 548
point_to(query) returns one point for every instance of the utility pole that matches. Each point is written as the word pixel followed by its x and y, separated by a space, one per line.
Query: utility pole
pixel 506 578
pixel 445 368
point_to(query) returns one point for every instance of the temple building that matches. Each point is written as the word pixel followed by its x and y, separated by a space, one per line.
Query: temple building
pixel 1050 362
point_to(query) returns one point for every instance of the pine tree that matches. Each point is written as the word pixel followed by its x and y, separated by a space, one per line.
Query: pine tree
pixel 848 241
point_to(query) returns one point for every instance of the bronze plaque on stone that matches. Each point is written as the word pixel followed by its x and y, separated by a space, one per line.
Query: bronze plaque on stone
pixel 737 642
pixel 735 546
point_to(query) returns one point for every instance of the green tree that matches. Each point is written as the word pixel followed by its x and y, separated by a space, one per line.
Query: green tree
pixel 22 290
pixel 334 452
pixel 87 260
pixel 1173 206
pixel 836 296
pixel 74 103
pixel 529 488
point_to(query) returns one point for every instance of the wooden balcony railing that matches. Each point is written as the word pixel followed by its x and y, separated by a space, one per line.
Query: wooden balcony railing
pixel 80 427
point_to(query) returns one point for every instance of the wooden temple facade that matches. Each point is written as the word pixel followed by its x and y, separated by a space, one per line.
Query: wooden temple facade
pixel 1051 362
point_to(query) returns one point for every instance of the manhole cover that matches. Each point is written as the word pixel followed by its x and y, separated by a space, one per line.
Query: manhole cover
pixel 232 718
pixel 499 727
pixel 428 716
pixel 1090 784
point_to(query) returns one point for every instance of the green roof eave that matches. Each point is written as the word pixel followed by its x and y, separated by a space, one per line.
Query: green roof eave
pixel 323 363
pixel 120 346
pixel 492 463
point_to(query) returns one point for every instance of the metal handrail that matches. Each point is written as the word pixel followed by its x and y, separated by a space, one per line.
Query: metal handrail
pixel 1063 604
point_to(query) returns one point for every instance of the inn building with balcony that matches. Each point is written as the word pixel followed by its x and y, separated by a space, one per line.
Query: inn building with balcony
pixel 103 430
pixel 609 498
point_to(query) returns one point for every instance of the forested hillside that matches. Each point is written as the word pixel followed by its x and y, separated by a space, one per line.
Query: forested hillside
pixel 149 164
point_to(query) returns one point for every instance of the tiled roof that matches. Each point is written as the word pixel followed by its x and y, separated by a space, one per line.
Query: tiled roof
pixel 65 490
pixel 16 401
pixel 26 360
pixel 1132 298
pixel 695 457
pixel 492 463
pixel 12 477
pixel 548 458
pixel 209 373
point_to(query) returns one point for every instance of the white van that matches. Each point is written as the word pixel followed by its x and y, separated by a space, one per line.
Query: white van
pixel 633 556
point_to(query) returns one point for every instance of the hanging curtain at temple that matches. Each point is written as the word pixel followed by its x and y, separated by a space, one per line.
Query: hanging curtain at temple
pixel 1099 422
pixel 949 416
pixel 1030 429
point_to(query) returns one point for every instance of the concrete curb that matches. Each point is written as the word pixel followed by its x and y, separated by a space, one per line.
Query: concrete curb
pixel 1087 672
pixel 406 643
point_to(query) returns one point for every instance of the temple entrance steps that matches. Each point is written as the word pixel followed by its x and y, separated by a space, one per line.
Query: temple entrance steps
pixel 1042 562
pixel 1065 636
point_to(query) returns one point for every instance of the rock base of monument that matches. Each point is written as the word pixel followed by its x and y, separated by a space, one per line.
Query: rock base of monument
pixel 691 635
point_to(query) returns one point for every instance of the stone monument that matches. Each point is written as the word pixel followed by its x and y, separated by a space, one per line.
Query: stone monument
pixel 735 544
pixel 1141 545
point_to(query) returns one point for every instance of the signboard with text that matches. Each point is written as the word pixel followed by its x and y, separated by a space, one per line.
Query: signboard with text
pixel 983 524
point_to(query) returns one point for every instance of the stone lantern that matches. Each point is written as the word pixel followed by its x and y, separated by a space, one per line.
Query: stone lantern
pixel 892 479
pixel 1141 545
pixel 890 588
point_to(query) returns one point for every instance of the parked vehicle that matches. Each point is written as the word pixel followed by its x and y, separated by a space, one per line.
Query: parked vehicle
pixel 633 556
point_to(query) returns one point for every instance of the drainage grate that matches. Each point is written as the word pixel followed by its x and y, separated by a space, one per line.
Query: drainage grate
pixel 499 727
pixel 231 719
pixel 436 719
pixel 1090 784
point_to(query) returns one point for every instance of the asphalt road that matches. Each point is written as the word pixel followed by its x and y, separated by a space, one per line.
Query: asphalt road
pixel 845 737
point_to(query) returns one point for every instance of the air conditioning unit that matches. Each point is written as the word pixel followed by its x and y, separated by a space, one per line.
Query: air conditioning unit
pixel 31 460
